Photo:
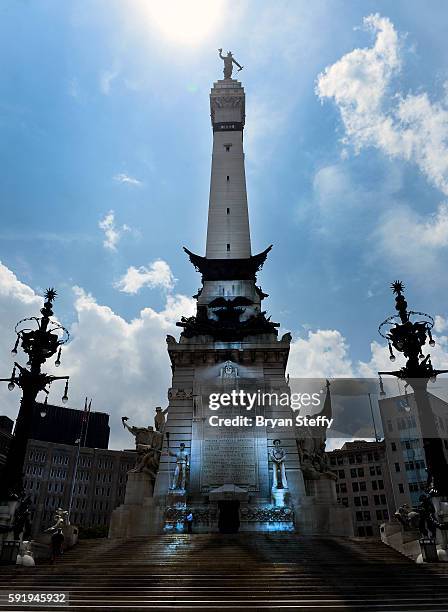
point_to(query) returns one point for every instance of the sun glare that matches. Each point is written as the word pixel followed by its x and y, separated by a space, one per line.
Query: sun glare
pixel 185 21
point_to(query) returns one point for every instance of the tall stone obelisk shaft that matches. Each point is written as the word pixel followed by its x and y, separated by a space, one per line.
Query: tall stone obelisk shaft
pixel 228 234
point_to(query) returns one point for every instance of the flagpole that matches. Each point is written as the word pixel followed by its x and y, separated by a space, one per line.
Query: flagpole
pixel 75 469
pixel 87 421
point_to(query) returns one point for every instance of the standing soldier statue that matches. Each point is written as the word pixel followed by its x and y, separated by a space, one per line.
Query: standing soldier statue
pixel 278 456
pixel 229 60
pixel 182 466
pixel 159 419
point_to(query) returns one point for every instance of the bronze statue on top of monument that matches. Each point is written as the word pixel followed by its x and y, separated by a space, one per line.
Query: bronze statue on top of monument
pixel 229 60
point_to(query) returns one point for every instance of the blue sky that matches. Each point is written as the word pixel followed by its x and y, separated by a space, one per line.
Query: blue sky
pixel 104 107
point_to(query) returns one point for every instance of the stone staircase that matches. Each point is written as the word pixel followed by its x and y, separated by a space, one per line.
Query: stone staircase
pixel 235 572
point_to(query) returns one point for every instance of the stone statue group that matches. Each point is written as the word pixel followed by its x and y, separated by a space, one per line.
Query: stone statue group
pixel 149 443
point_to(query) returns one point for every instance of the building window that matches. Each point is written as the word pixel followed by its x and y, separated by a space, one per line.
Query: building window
pixel 362 486
pixel 365 500
pixel 353 472
pixel 343 487
pixel 397 467
pixel 341 473
pixel 355 487
pixel 382 515
pixel 366 515
pixel 359 516
pixel 369 531
pixel 228 247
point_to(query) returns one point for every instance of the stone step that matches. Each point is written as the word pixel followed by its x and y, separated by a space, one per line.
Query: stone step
pixel 236 572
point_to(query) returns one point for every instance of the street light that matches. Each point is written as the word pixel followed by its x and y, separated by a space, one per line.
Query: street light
pixel 407 333
pixel 43 409
pixel 40 338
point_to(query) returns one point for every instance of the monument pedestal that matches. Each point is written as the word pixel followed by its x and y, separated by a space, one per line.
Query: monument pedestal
pixel 175 511
pixel 136 517
pixel 280 497
pixel 138 487
pixel 320 514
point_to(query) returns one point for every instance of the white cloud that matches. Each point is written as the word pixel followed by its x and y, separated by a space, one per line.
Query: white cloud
pixel 409 127
pixel 379 361
pixel 112 233
pixel 440 324
pixel 106 79
pixel 325 353
pixel 157 274
pixel 126 179
pixel 11 288
pixel 413 243
pixel 73 88
pixel 123 365
pixel 322 354
pixel 379 355
pixel 331 184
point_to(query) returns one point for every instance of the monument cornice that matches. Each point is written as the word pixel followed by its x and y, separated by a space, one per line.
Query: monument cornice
pixel 228 269
pixel 197 354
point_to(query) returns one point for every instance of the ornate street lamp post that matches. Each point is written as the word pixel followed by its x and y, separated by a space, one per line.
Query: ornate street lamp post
pixel 407 333
pixel 40 339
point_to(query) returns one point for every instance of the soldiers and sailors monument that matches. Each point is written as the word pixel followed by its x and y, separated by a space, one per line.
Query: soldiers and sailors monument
pixel 239 477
